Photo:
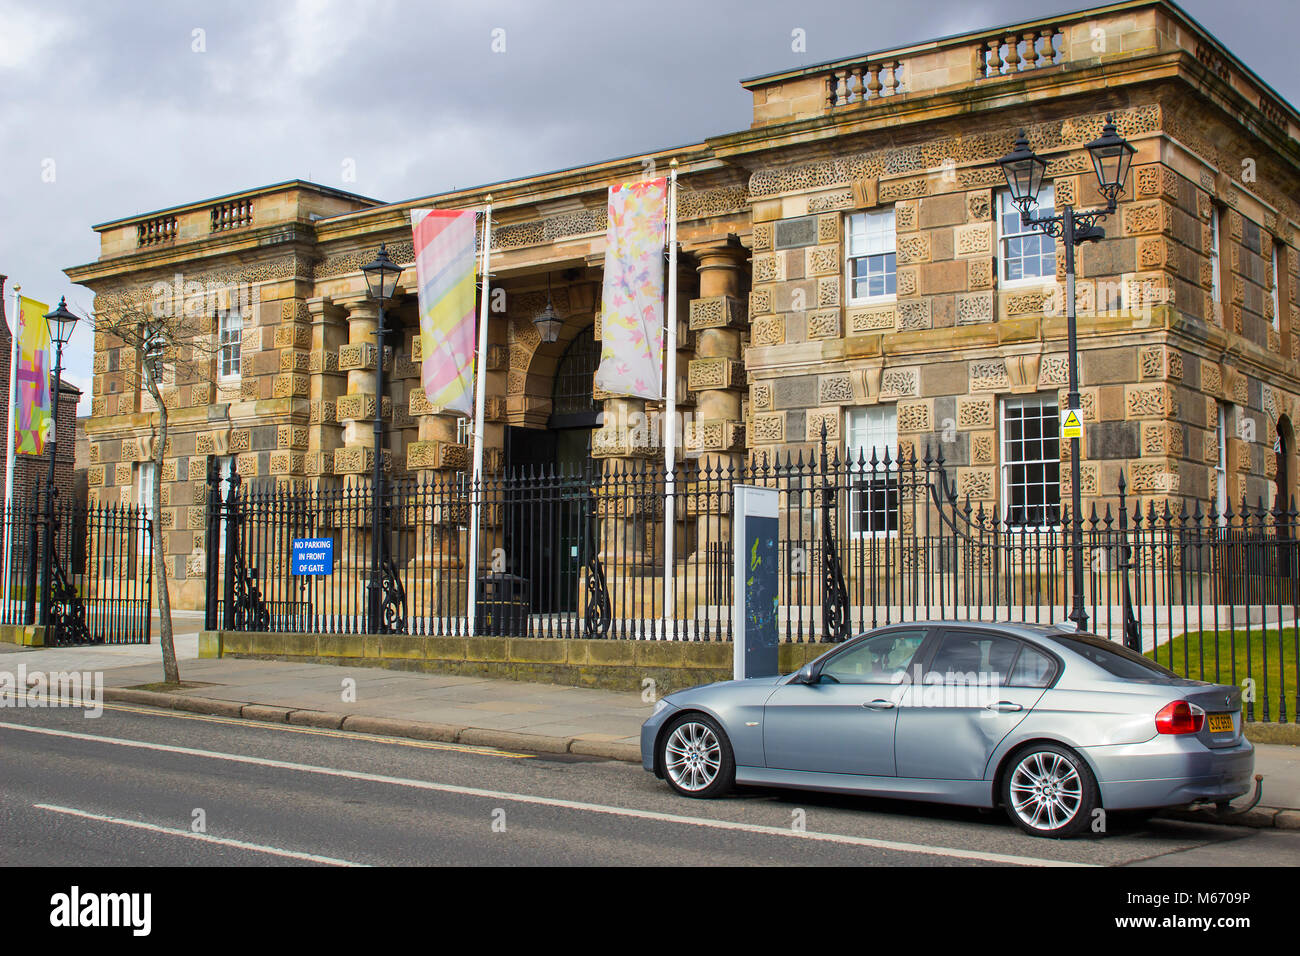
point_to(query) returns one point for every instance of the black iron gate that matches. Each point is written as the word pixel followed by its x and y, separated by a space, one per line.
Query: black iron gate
pixel 98 561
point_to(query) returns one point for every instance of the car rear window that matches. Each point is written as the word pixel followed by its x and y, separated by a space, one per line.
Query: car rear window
pixel 1112 657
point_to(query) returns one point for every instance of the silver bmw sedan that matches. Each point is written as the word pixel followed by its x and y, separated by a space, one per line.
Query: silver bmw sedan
pixel 1051 724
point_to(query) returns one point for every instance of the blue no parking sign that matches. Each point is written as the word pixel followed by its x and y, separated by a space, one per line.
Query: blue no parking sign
pixel 313 555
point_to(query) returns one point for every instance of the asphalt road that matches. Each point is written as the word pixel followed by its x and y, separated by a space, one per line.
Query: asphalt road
pixel 128 788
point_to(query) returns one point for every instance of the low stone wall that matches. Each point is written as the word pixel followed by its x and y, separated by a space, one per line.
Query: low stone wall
pixel 26 635
pixel 611 664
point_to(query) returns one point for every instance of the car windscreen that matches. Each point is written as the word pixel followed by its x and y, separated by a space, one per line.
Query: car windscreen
pixel 1111 657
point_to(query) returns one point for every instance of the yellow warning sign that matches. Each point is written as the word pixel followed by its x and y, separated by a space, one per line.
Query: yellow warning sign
pixel 1071 426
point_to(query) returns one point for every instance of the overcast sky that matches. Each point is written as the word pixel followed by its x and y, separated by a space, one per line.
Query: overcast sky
pixel 108 109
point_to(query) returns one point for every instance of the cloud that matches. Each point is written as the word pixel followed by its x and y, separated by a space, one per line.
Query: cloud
pixel 142 106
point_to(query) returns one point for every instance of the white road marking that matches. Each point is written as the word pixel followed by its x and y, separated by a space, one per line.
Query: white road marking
pixel 556 802
pixel 201 837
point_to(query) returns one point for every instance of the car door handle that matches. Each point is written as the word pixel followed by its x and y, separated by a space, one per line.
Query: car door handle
pixel 879 704
pixel 1005 707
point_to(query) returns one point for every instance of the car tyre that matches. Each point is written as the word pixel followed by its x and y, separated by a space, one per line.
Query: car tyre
pixel 696 757
pixel 1049 791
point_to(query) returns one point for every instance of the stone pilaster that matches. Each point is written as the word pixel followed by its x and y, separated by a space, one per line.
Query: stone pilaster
pixel 716 376
pixel 324 434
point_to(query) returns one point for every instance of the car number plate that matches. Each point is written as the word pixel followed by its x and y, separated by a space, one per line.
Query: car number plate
pixel 1220 723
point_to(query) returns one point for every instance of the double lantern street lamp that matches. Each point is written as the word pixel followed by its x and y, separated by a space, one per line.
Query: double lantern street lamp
pixel 381 285
pixel 61 323
pixel 1111 157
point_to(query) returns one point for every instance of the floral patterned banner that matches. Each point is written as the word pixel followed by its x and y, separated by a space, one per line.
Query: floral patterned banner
pixel 632 299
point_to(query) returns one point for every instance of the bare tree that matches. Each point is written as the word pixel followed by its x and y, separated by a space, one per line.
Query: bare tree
pixel 174 345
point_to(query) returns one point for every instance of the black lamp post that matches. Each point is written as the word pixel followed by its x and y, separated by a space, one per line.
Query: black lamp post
pixel 381 283
pixel 1111 156
pixel 61 323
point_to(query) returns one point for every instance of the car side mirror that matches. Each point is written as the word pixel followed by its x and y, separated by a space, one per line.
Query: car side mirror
pixel 806 675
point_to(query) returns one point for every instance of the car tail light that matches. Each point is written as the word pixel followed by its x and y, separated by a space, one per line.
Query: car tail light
pixel 1180 717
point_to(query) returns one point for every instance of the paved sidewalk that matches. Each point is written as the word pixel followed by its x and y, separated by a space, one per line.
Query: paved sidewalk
pixel 476 710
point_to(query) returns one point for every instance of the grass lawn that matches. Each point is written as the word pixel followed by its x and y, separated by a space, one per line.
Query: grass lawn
pixel 1200 650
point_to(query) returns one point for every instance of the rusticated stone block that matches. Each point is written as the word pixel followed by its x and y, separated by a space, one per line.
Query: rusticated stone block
pixel 710 373
pixel 718 312
pixel 916 416
pixel 768 428
pixel 974 308
pixel 1150 401
pixel 291 386
pixel 975 412
pixel 973 239
pixel 714 435
pixel 817 418
pixel 291 436
pixel 824 324
pixel 291 360
pixel 768 330
pixel 321 361
pixel 989 375
pixel 913 315
pixel 437 455
pixel 900 382
pixel 287 463
pixel 836 389
pixel 360 407
pixel 418 403
pixel 293 335
pixel 877 318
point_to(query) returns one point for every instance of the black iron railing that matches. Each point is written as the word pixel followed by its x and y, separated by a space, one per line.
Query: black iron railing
pixel 864 543
pixel 101 570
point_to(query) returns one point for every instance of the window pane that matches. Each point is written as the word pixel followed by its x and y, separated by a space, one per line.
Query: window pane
pixel 1033 669
pixel 1031 460
pixel 963 656
pixel 882 659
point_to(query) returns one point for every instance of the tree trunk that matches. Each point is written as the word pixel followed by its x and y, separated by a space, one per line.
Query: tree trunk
pixel 171 671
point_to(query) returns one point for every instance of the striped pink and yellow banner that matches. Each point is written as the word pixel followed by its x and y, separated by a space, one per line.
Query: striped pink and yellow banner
pixel 444 266
pixel 32 421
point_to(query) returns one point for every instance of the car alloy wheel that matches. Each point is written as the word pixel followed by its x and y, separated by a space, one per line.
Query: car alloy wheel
pixel 696 757
pixel 1049 793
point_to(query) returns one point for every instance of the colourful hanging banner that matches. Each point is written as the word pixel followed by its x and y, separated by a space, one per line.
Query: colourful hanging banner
pixel 32 420
pixel 444 267
pixel 632 299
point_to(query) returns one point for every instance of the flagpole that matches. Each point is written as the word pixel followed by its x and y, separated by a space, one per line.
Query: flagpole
pixel 9 441
pixel 480 367
pixel 670 402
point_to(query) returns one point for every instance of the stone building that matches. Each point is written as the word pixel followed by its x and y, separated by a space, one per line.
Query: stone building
pixel 850 261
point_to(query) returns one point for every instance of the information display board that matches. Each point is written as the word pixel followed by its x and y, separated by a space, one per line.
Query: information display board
pixel 755 535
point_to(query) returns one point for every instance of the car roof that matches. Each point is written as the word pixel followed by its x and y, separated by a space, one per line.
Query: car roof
pixel 1011 628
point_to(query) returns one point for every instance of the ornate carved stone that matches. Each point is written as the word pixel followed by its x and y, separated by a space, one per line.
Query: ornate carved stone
pixel 974 308
pixel 718 312
pixel 835 389
pixel 974 412
pixel 878 318
pixel 988 375
pixel 900 383
pixel 915 416
pixel 824 324
pixel 712 373
pixel 768 330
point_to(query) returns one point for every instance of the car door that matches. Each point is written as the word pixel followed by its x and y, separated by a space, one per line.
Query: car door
pixel 975 688
pixel 845 722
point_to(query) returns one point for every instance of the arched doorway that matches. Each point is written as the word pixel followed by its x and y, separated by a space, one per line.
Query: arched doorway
pixel 546 513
